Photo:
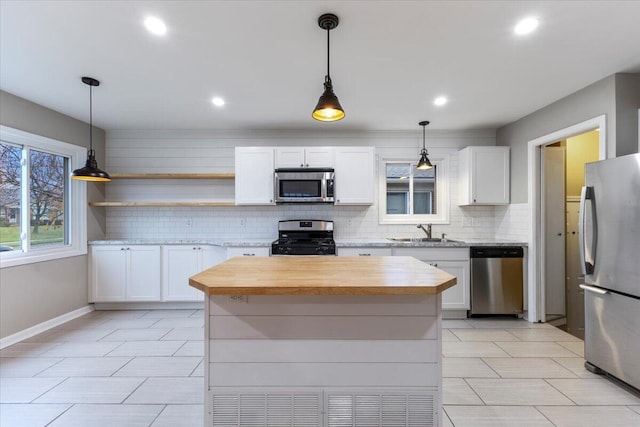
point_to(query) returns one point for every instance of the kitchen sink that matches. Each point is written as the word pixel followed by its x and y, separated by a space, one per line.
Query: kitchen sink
pixel 419 239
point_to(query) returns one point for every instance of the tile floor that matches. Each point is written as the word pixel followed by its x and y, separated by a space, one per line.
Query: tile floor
pixel 144 368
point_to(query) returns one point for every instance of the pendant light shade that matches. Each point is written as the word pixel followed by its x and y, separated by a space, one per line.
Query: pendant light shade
pixel 424 163
pixel 90 171
pixel 328 108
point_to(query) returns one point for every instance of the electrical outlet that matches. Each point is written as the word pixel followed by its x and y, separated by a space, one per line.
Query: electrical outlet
pixel 239 298
pixel 189 222
pixel 242 222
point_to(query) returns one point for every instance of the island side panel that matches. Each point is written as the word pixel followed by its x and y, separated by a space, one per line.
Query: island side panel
pixel 332 345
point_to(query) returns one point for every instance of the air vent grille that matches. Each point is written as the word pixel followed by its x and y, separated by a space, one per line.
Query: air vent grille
pixel 393 409
pixel 277 409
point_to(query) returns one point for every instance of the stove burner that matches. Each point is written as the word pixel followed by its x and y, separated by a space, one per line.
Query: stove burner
pixel 303 237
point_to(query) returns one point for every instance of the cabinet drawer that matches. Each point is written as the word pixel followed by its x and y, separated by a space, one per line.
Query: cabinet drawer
pixel 440 254
pixel 233 252
pixel 364 251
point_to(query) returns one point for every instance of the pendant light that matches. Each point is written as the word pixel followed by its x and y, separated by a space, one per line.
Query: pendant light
pixel 328 108
pixel 424 163
pixel 90 171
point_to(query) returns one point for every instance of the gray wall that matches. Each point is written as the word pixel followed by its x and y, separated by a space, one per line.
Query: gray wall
pixel 617 97
pixel 627 105
pixel 34 293
pixel 587 103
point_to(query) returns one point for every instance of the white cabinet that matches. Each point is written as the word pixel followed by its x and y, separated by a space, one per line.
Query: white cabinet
pixel 483 176
pixel 354 175
pixel 364 251
pixel 124 273
pixel 454 261
pixel 247 251
pixel 179 262
pixel 254 176
pixel 301 157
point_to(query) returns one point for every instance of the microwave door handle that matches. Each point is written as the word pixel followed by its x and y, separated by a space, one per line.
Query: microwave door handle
pixel 587 266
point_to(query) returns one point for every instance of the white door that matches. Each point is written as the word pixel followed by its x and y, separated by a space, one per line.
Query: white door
pixel 488 168
pixel 254 168
pixel 354 175
pixel 319 157
pixel 108 273
pixel 575 295
pixel 554 231
pixel 289 157
pixel 178 264
pixel 144 273
pixel 456 297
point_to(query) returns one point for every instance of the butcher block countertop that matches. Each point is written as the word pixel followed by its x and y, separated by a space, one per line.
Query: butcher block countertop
pixel 322 275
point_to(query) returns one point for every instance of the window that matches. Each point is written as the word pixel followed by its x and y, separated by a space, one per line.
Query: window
pixel 42 213
pixel 412 196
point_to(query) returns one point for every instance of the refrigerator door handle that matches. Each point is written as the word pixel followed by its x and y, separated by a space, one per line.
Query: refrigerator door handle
pixel 593 289
pixel 587 266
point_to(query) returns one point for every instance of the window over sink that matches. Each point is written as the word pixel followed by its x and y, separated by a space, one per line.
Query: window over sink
pixel 412 196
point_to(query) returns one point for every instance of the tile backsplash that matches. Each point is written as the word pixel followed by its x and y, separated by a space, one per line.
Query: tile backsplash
pixel 174 152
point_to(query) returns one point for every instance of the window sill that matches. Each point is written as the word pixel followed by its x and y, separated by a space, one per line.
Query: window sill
pixel 10 259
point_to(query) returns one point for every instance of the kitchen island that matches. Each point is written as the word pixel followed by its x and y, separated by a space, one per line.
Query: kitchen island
pixel 323 341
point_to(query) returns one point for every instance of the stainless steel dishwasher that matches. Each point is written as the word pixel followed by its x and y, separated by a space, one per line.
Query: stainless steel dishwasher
pixel 496 280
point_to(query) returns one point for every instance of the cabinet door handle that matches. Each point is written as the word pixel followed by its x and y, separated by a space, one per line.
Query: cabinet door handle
pixel 122 249
pixel 435 264
pixel 307 165
pixel 364 254
pixel 301 165
pixel 248 254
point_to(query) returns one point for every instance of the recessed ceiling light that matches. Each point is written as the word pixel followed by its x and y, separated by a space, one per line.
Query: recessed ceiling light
pixel 526 26
pixel 155 26
pixel 439 101
pixel 217 101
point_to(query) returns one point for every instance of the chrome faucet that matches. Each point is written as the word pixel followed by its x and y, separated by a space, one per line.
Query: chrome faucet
pixel 426 230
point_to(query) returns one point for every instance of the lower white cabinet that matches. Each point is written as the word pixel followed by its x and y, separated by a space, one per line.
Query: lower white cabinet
pixel 124 273
pixel 247 251
pixel 454 261
pixel 179 262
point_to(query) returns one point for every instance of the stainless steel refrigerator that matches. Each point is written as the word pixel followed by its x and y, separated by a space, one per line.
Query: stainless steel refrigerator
pixel 610 257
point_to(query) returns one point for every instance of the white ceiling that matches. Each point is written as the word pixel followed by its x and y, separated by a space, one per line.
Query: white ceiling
pixel 389 60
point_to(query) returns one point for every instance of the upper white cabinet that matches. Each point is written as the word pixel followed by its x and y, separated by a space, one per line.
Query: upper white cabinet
pixel 483 176
pixel 124 273
pixel 179 262
pixel 254 168
pixel 301 157
pixel 354 175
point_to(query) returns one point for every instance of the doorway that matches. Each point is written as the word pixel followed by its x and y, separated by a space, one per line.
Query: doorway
pixel 563 177
pixel 536 291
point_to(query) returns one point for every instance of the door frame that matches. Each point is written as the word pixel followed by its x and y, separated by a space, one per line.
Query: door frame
pixel 536 292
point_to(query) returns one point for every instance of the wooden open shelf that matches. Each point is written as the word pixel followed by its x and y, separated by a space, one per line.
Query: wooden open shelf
pixel 229 175
pixel 160 204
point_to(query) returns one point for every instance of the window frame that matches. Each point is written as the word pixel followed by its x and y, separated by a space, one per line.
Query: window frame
pixel 76 200
pixel 442 193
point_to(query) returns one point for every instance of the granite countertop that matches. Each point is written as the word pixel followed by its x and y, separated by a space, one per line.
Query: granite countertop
pixel 447 243
pixel 340 243
pixel 212 242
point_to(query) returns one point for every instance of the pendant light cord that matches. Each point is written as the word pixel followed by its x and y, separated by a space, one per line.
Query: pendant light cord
pixel 328 53
pixel 423 137
pixel 90 118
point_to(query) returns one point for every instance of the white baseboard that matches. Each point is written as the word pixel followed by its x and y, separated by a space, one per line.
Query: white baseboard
pixel 454 314
pixel 185 305
pixel 41 327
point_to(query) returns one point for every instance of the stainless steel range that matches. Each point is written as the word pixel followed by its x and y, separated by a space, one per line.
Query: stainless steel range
pixel 304 237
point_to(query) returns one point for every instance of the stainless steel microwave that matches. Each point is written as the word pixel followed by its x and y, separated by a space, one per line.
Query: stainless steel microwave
pixel 306 185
